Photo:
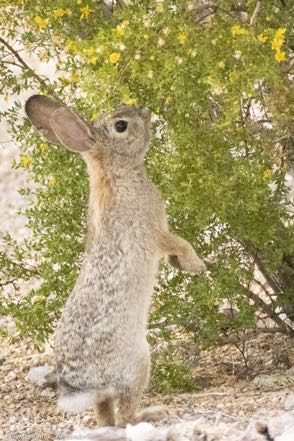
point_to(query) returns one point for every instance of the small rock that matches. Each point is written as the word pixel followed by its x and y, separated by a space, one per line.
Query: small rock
pixel 43 376
pixel 11 376
pixel 142 432
pixel 152 413
pixel 48 393
pixel 290 371
pixel 289 402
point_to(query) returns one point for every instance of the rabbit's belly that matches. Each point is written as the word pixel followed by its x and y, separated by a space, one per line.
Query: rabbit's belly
pixel 101 364
pixel 102 329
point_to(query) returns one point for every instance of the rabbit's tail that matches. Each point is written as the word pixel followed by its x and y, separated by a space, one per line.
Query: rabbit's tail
pixel 77 402
pixel 74 399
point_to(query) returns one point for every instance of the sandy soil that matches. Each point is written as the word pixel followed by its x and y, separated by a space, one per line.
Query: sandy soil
pixel 29 412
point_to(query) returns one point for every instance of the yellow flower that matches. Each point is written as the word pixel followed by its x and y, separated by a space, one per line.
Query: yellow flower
pixel 25 161
pixel 131 102
pixel 63 80
pixel 280 55
pixel 68 11
pixel 146 37
pixel 221 64
pixel 43 147
pixel 114 57
pixel 279 39
pixel 52 181
pixel 56 39
pixel 36 299
pixel 157 110
pixel 59 12
pixel 147 22
pixel 182 38
pixel 192 52
pixel 79 2
pixel 267 173
pixel 261 38
pixel 93 59
pixel 75 78
pixel 237 30
pixel 71 47
pixel 94 116
pixel 41 22
pixel 119 30
pixel 215 85
pixel 85 12
pixel 43 56
pixel 89 51
pixel 159 8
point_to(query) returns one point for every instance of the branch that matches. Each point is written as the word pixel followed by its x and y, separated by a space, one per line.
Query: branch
pixel 270 280
pixel 234 339
pixel 211 9
pixel 264 288
pixel 269 311
pixel 255 14
pixel 25 66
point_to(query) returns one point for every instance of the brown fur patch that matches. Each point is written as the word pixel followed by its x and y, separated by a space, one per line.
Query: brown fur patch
pixel 100 189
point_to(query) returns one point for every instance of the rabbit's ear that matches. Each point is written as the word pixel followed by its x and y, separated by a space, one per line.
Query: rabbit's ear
pixel 71 130
pixel 39 109
pixel 59 124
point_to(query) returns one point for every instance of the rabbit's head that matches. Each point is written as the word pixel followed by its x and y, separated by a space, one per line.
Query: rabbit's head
pixel 125 132
pixel 123 135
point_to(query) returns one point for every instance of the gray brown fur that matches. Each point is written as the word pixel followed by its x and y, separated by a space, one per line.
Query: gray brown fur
pixel 102 355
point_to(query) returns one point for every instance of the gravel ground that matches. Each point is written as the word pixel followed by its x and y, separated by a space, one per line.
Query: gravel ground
pixel 30 413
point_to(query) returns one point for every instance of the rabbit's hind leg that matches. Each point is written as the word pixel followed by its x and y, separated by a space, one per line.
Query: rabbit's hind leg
pixel 105 412
pixel 130 397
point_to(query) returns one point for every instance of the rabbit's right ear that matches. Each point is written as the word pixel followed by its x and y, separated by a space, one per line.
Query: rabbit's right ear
pixel 59 124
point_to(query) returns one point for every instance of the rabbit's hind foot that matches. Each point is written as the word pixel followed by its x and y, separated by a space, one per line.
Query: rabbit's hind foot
pixel 105 413
pixel 151 414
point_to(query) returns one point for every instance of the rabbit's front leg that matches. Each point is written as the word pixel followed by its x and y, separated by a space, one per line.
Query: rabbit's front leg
pixel 180 253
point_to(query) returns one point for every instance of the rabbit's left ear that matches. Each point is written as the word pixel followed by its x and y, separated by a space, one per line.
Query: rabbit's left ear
pixel 59 124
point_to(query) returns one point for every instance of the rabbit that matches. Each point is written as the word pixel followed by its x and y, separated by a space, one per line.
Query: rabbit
pixel 102 355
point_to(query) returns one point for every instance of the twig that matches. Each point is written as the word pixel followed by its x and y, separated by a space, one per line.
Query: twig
pixel 9 282
pixel 13 64
pixel 208 394
pixel 219 413
pixel 257 9
pixel 25 66
pixel 242 350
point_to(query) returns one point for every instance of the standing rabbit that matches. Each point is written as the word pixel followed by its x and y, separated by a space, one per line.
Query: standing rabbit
pixel 102 355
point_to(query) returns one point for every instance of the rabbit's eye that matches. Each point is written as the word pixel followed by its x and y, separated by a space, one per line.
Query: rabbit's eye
pixel 121 126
